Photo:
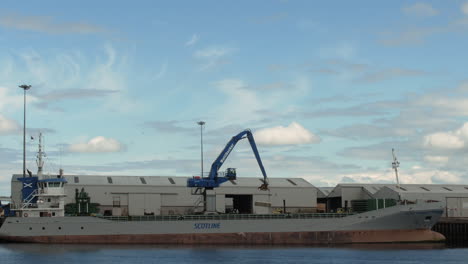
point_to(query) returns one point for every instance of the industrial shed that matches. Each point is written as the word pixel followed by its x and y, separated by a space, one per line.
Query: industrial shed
pixel 342 195
pixel 163 195
pixel 454 197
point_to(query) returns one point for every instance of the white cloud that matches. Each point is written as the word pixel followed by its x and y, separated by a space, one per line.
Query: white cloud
pixel 212 56
pixel 293 134
pixel 63 73
pixel 231 85
pixel 245 104
pixel 436 159
pixel 463 87
pixel 241 103
pixel 448 140
pixel 7 125
pixel 463 131
pixel 97 144
pixel 420 9
pixel 211 53
pixel 464 8
pixel 12 98
pixel 193 40
pixel 416 175
pixel 439 177
pixel 445 104
pixel 444 141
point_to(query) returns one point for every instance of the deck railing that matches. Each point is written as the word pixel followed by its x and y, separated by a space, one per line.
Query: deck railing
pixel 222 217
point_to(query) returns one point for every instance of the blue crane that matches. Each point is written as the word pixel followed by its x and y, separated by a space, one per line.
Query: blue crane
pixel 215 178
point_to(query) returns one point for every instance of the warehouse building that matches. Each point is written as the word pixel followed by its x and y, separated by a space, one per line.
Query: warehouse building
pixel 453 197
pixel 342 195
pixel 147 195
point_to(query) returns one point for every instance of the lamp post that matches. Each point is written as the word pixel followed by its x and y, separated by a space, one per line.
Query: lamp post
pixel 201 123
pixel 25 88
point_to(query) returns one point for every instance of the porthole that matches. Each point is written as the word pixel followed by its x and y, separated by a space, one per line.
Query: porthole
pixel 82 227
pixel 30 228
pixel 60 228
pixel 43 228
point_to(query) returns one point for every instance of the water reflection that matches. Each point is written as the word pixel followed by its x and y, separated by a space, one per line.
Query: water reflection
pixel 61 248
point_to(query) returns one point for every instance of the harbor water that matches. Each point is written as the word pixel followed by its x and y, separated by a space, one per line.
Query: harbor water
pixel 389 253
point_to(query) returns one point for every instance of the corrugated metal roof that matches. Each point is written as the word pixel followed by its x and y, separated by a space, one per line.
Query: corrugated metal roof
pixel 403 188
pixel 429 188
pixel 323 192
pixel 174 181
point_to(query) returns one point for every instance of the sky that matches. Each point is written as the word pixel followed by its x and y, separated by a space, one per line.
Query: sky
pixel 328 88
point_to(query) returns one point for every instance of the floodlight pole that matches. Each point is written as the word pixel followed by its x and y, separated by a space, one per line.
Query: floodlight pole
pixel 25 88
pixel 201 123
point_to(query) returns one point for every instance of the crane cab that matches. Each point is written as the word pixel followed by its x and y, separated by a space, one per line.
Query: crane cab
pixel 231 174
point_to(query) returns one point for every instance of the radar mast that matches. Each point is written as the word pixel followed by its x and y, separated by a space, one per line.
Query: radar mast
pixel 395 165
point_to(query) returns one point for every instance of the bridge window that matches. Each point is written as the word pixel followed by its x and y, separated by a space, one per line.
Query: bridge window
pixel 171 181
pixel 109 179
pixel 448 189
pixel 76 179
pixel 143 180
pixel 426 189
pixel 54 184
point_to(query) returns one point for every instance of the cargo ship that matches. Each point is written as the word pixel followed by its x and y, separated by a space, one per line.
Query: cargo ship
pixel 41 218
pixel 401 223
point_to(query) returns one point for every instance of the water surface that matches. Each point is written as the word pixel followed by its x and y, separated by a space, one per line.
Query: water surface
pixel 107 254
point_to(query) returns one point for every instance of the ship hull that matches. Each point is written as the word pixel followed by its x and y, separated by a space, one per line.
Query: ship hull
pixel 389 225
pixel 253 238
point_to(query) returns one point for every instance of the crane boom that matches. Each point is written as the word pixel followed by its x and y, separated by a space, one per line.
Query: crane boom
pixel 214 179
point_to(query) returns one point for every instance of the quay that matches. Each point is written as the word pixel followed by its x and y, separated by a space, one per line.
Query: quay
pixel 455 230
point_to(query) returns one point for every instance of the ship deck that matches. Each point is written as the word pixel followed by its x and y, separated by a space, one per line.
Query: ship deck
pixel 223 217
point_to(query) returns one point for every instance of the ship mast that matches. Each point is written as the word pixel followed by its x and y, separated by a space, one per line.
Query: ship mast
pixel 395 165
pixel 39 161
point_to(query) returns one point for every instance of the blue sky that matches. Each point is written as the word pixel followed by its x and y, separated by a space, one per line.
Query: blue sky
pixel 327 87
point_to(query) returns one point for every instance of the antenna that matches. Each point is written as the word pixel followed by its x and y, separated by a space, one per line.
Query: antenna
pixel 395 165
